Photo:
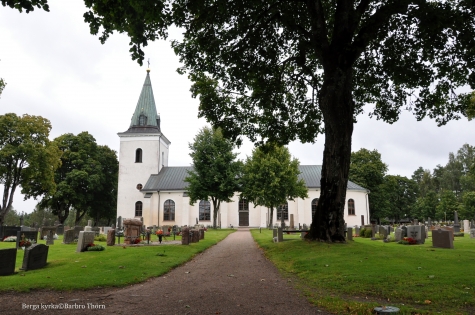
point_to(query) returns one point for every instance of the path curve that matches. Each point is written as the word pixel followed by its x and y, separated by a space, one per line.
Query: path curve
pixel 232 277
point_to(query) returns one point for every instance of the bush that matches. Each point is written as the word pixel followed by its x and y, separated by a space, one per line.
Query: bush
pixel 100 238
pixel 368 233
pixel 362 232
pixel 95 248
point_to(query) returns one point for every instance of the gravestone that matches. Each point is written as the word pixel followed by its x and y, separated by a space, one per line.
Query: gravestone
pixel 96 230
pixel 448 228
pixel 349 234
pixel 31 236
pixel 404 231
pixel 45 231
pixel 35 257
pixel 132 230
pixel 185 236
pixel 429 223
pixel 274 233
pixel 88 227
pixel 415 232
pixel 7 261
pixel 119 223
pixel 442 239
pixel 416 222
pixel 196 236
pixel 111 237
pixel 202 234
pixel 106 229
pixel 77 229
pixel 382 231
pixel 291 221
pixel 280 235
pixel 357 230
pixel 466 226
pixel 456 223
pixel 85 238
pixel 472 233
pixel 68 237
pixel 60 229
pixel 398 234
pixel 50 238
pixel 9 231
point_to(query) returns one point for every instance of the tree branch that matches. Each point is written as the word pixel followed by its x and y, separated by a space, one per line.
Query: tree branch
pixel 319 28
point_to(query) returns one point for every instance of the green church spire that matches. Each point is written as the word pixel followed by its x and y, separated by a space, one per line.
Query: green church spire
pixel 145 117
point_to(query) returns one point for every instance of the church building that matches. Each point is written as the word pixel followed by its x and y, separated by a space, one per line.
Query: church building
pixel 151 189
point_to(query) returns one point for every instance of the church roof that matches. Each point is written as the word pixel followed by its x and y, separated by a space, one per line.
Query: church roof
pixel 172 178
pixel 145 118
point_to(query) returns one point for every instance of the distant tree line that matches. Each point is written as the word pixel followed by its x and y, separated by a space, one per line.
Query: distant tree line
pixel 71 174
pixel 426 194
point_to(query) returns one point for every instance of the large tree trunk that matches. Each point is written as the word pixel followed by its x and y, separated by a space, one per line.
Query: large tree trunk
pixel 216 204
pixel 337 106
pixel 271 217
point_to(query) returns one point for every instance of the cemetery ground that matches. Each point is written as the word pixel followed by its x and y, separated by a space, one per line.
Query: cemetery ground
pixel 350 278
pixel 354 278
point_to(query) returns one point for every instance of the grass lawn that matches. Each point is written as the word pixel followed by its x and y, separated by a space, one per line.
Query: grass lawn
pixel 354 278
pixel 115 266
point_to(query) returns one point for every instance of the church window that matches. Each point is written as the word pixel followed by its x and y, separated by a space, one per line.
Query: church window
pixel 138 156
pixel 139 186
pixel 205 210
pixel 142 120
pixel 138 209
pixel 169 210
pixel 243 205
pixel 314 206
pixel 283 209
pixel 351 207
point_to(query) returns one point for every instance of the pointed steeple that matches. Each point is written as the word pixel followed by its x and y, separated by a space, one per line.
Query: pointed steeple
pixel 145 117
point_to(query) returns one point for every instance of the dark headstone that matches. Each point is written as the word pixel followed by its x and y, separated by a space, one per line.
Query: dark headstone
pixel 404 231
pixel 202 234
pixel 50 238
pixel 68 237
pixel 35 257
pixel 442 239
pixel 111 237
pixel 456 223
pixel 7 261
pixel 9 231
pixel 60 229
pixel 31 236
pixel 185 236
pixel 349 234
pixel 119 223
pixel 383 232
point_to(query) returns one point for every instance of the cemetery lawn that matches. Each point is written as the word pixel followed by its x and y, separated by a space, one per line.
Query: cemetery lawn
pixel 116 266
pixel 354 278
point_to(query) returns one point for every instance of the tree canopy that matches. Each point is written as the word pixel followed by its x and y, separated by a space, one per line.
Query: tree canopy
pixel 281 70
pixel 215 169
pixel 270 178
pixel 27 158
pixel 86 180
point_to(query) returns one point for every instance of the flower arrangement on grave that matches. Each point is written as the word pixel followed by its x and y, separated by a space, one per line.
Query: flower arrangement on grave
pixel 159 232
pixel 94 248
pixel 160 235
pixel 408 241
pixel 24 243
pixel 137 240
pixel 9 239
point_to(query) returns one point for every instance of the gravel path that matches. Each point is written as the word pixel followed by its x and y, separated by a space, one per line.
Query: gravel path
pixel 232 277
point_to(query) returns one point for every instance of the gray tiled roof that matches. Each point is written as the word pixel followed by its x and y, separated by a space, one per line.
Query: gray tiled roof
pixel 172 178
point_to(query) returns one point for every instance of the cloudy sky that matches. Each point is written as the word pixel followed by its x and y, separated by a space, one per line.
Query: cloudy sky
pixel 56 69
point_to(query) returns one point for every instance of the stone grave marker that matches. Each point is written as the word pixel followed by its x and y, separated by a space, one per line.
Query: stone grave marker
pixel 456 223
pixel 68 237
pixel 196 235
pixel 85 238
pixel 357 230
pixel 77 229
pixel 472 233
pixel 88 227
pixel 274 232
pixel 448 228
pixel 60 229
pixel 202 234
pixel 31 236
pixel 185 236
pixel 466 226
pixel 291 221
pixel 382 231
pixel 349 234
pixel 111 237
pixel 106 229
pixel 50 238
pixel 415 232
pixel 9 231
pixel 96 230
pixel 280 235
pixel 442 239
pixel 416 222
pixel 45 231
pixel 35 257
pixel 404 231
pixel 7 261
pixel 132 230
pixel 398 234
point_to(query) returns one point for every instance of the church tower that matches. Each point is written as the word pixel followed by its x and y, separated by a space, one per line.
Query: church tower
pixel 143 152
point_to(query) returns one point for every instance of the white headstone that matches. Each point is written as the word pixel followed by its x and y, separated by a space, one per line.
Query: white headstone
pixel 415 232
pixel 466 226
pixel 85 238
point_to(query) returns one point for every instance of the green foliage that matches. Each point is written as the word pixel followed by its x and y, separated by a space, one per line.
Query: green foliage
pixel 362 231
pixel 468 199
pixel 100 238
pixel 447 206
pixel 27 158
pixel 86 181
pixel 215 169
pixel 270 178
pixel 96 248
pixel 27 5
pixel 2 85
pixel 368 233
pixel 401 193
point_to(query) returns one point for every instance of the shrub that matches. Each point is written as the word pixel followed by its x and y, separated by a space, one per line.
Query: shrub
pixel 362 232
pixel 368 233
pixel 100 238
pixel 95 248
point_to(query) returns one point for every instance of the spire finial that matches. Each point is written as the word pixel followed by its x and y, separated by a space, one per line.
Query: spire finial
pixel 148 62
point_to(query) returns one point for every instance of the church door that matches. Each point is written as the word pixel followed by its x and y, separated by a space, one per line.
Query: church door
pixel 243 212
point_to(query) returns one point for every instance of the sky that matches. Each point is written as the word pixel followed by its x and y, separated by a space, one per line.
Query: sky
pixel 56 69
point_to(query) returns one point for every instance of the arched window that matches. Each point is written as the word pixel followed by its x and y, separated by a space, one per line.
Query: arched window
pixel 205 210
pixel 138 156
pixel 351 207
pixel 243 205
pixel 283 209
pixel 314 206
pixel 138 209
pixel 142 120
pixel 169 210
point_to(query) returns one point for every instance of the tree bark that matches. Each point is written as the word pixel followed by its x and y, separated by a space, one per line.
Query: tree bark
pixel 337 106
pixel 271 217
